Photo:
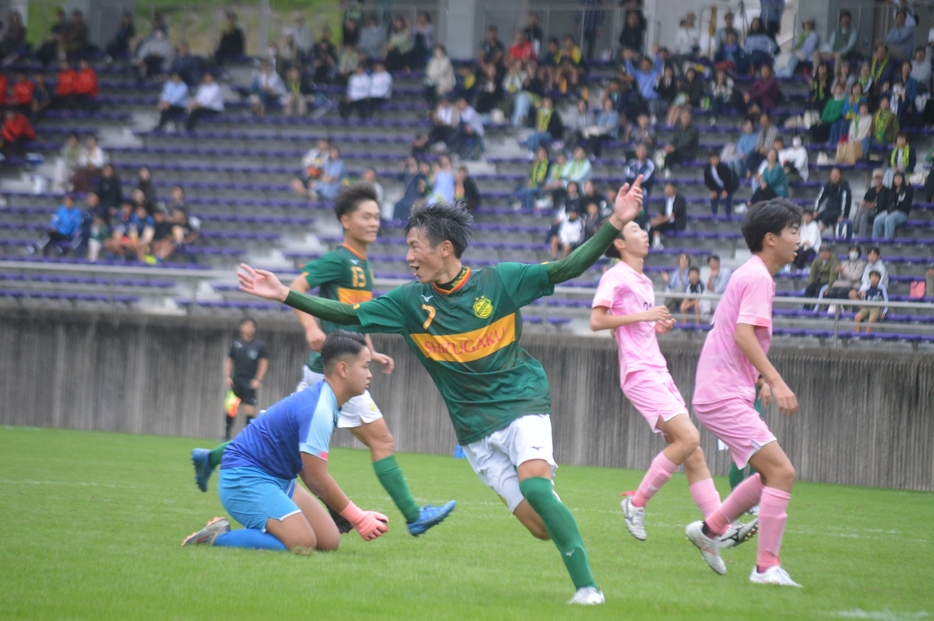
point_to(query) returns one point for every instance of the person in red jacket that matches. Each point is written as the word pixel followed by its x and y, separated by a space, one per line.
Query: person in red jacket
pixel 17 130
pixel 65 90
pixel 22 93
pixel 86 87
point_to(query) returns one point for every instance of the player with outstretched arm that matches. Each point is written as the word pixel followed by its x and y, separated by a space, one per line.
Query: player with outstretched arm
pixel 625 303
pixel 257 479
pixel 464 327
pixel 734 355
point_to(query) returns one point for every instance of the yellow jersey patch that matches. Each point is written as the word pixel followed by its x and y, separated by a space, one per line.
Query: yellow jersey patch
pixel 482 308
pixel 468 346
pixel 353 296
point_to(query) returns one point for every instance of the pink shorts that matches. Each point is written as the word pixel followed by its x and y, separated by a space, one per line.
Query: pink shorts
pixel 655 395
pixel 737 424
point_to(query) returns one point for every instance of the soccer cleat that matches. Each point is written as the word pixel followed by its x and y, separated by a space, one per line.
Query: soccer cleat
pixel 635 518
pixel 739 533
pixel 209 534
pixel 709 548
pixel 430 515
pixel 201 458
pixel 754 511
pixel 772 575
pixel 587 596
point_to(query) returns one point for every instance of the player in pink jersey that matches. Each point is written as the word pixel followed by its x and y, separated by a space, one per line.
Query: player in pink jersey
pixel 625 303
pixel 733 358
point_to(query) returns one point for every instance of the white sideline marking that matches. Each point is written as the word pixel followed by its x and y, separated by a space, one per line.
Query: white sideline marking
pixel 881 615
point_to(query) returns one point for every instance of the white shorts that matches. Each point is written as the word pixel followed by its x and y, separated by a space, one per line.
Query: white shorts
pixel 496 457
pixel 355 412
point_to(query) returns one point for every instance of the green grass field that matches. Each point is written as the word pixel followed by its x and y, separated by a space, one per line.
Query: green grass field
pixel 93 523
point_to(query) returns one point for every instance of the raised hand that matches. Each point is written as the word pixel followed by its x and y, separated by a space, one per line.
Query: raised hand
pixel 261 283
pixel 628 203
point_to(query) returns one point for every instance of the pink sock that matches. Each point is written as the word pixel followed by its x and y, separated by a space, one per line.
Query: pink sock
pixel 706 497
pixel 659 472
pixel 744 497
pixel 772 518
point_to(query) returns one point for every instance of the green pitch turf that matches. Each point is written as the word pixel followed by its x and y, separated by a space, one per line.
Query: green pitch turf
pixel 92 524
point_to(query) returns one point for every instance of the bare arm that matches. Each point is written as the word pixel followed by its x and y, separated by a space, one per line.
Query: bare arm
pixel 745 339
pixel 228 367
pixel 601 319
pixel 388 363
pixel 314 335
pixel 316 476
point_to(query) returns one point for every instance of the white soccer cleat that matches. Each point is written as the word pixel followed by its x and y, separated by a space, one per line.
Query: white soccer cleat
pixel 709 548
pixel 209 534
pixel 754 511
pixel 772 575
pixel 635 518
pixel 587 596
pixel 739 533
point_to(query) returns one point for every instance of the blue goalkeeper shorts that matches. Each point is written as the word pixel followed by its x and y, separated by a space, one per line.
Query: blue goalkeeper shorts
pixel 252 496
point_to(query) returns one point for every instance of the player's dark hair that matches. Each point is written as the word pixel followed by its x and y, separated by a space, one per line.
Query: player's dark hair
pixel 693 270
pixel 768 217
pixel 443 221
pixel 349 198
pixel 876 250
pixel 340 344
pixel 876 273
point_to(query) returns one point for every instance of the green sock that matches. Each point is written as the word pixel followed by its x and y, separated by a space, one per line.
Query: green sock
pixel 736 476
pixel 562 528
pixel 391 478
pixel 216 454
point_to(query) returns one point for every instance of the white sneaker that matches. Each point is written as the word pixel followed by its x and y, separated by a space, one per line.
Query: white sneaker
pixel 709 548
pixel 741 208
pixel 739 533
pixel 772 575
pixel 754 511
pixel 587 596
pixel 635 518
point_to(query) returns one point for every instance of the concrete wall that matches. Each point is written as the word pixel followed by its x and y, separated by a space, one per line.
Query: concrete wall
pixel 865 418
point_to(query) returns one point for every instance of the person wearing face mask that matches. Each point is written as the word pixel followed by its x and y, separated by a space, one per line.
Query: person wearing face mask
pixel 795 160
pixel 849 275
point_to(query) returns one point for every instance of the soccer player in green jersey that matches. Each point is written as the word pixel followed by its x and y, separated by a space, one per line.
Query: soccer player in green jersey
pixel 464 326
pixel 344 275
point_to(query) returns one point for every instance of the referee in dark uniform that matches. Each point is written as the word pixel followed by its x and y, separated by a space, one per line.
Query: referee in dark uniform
pixel 244 368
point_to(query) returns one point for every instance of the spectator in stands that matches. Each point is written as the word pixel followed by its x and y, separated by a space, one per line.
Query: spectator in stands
pixel 834 201
pixel 86 87
pixel 177 200
pixel 173 101
pixel 533 187
pixel 14 38
pixel 521 48
pixel 65 89
pixel 347 62
pixel 442 188
pixel 98 233
pixel 41 98
pixel 548 127
pixel 146 186
pixel 353 14
pixel 490 92
pixel 63 230
pixel 22 96
pixel 380 86
pixel 570 231
pixel 795 160
pixel 875 264
pixel 884 129
pixel 186 229
pixel 119 46
pixel 901 38
pixel 325 59
pixel 141 201
pixel 896 210
pixel 760 47
pixel 643 165
pixel 66 164
pixel 268 90
pixel 493 52
pixel 743 148
pixel 833 112
pixel 667 89
pixel 579 169
pixel 333 173
pixel 642 133
pixel 719 276
pixel 605 129
pixel 876 199
pixel 299 93
pixel 399 46
pixel 154 56
pixel 140 233
pixel 358 95
pixel 903 93
pixel 842 42
pixel 423 39
pixel 593 218
pixel 810 240
pixel 109 188
pixel 590 21
pixel 921 67
pixel 859 130
pixel 721 35
pixel 673 217
pixel 232 45
pixel 76 36
pixel 632 37
pixel 569 69
pixel 772 181
pixel 646 76
pixel 882 69
pixel 875 293
pixel 163 244
pixel 48 52
pixel 690 94
pixel 369 176
pixel 466 190
pixel 445 122
pixel 764 95
pixel 372 39
pixel 819 87
pixel 823 273
pixel 684 144
pixel 90 162
pixel 581 119
pixel 555 186
pixel 468 139
pixel 534 34
pixel 722 184
pixel 302 35
pixel 849 276
pixel 764 141
pixel 416 186
pixel 439 76
pixel 803 50
pixel 722 95
pixel 187 65
pixel 677 281
pixel 902 158
pixel 208 101
pixel 730 55
pixel 686 39
pixel 695 286
pixel 120 231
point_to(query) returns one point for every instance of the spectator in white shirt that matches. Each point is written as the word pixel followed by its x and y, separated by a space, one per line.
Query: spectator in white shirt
pixel 267 90
pixel 208 101
pixel 301 35
pixel 380 85
pixel 358 94
pixel 719 276
pixel 173 102
pixel 795 160
pixel 810 240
